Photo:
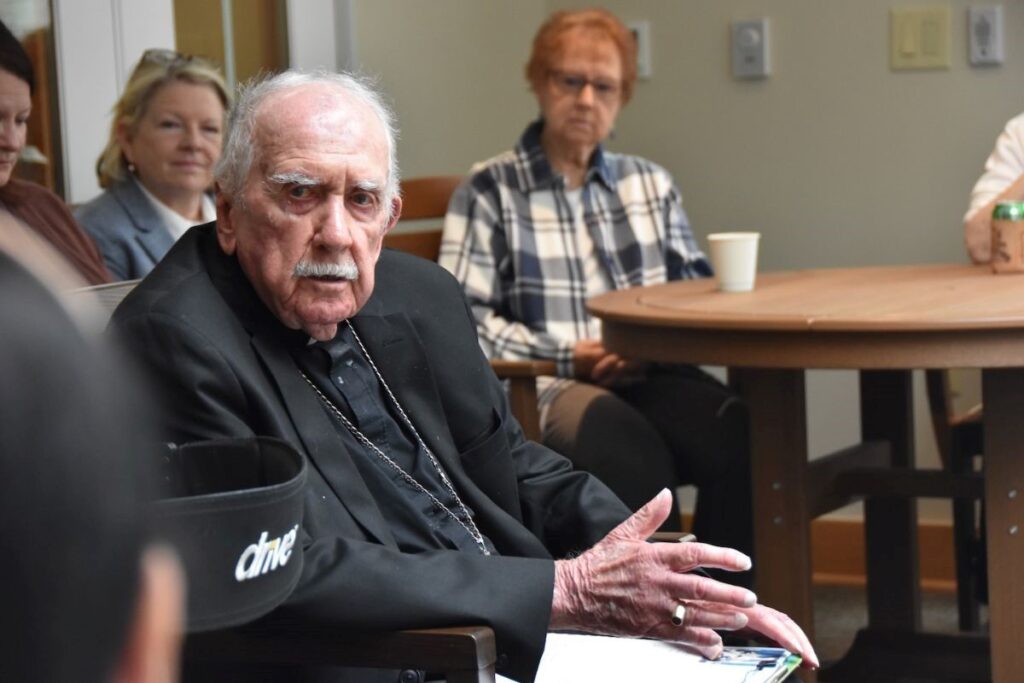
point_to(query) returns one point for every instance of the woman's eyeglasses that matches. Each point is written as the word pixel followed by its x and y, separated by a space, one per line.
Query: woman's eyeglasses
pixel 573 84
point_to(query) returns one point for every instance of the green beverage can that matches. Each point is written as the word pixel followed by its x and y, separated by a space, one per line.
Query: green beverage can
pixel 1008 237
pixel 1008 211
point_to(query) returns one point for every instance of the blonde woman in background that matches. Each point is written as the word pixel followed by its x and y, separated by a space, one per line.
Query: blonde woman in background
pixel 157 167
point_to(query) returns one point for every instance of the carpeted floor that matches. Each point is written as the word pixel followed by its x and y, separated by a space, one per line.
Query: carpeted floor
pixel 839 612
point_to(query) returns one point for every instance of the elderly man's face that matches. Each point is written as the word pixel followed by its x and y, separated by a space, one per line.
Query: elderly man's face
pixel 309 225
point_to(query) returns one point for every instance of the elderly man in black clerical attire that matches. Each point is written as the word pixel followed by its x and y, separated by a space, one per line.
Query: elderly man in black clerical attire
pixel 425 505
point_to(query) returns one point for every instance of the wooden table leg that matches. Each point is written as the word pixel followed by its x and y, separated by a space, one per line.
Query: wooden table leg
pixel 890 524
pixel 1003 397
pixel 782 537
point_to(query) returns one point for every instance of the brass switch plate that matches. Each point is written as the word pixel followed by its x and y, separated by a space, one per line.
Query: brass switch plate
pixel 919 37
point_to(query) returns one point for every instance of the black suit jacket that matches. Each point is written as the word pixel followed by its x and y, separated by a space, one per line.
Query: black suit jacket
pixel 221 369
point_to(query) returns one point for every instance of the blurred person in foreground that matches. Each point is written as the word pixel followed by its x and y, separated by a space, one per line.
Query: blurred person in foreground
pixel 38 219
pixel 157 167
pixel 1002 179
pixel 534 232
pixel 425 505
pixel 87 595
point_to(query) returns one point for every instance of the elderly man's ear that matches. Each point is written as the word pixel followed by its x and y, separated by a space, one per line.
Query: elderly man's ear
pixel 152 649
pixel 396 213
pixel 225 227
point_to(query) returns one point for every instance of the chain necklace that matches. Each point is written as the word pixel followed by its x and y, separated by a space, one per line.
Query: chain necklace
pixel 464 519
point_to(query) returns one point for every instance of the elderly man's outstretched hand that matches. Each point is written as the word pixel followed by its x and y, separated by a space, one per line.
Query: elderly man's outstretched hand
pixel 628 587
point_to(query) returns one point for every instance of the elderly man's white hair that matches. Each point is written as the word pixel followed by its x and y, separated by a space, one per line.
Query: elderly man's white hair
pixel 239 151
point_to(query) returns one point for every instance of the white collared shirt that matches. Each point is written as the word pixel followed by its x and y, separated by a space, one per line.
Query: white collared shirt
pixel 175 223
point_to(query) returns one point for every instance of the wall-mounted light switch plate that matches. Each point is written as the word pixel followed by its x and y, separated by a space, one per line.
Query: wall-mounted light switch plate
pixel 642 33
pixel 985 34
pixel 919 37
pixel 750 49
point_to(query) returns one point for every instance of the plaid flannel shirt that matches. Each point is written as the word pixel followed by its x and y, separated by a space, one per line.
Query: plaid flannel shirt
pixel 510 239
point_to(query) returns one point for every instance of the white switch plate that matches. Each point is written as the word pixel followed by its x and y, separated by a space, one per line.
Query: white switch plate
pixel 750 52
pixel 919 37
pixel 642 32
pixel 985 34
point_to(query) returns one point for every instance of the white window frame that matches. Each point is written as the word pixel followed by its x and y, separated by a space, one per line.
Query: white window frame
pixel 97 42
pixel 320 34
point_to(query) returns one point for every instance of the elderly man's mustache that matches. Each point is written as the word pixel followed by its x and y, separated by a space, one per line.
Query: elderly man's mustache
pixel 336 271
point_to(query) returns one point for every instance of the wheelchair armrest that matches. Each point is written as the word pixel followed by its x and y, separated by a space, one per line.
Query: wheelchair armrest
pixel 463 654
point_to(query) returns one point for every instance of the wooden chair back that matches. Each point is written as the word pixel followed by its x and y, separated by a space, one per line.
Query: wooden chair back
pixel 462 654
pixel 108 296
pixel 423 243
pixel 423 199
pixel 427 196
pixel 92 306
pixel 946 420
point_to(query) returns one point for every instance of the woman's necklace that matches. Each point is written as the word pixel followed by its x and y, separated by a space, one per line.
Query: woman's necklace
pixel 464 519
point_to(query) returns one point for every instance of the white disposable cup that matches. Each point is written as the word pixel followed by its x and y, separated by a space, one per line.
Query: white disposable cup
pixel 734 258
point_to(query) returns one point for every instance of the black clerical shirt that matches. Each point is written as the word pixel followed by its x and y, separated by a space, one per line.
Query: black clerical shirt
pixel 341 371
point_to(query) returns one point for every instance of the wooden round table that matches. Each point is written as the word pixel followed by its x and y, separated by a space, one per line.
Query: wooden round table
pixel 883 322
pixel 911 317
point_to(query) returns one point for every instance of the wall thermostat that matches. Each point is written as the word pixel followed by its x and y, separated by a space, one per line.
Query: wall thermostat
pixel 750 49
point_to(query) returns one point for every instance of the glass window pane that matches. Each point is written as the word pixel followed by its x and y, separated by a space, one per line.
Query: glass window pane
pixel 256 40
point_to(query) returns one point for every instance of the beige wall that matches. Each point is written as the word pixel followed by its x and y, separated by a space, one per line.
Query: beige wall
pixel 835 159
pixel 454 70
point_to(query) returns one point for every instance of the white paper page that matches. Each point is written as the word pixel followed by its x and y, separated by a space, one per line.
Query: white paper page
pixel 602 659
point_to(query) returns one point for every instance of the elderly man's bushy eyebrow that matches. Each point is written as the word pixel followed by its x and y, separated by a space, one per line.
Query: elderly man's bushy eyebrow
pixel 292 178
pixel 370 186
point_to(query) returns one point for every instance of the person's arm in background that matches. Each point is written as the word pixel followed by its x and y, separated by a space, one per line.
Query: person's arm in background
pixel 684 259
pixel 472 247
pixel 99 219
pixel 1003 179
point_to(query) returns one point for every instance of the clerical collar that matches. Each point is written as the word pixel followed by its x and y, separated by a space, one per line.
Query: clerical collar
pixel 336 346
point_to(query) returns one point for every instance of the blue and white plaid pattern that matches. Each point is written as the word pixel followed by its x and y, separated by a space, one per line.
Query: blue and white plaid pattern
pixel 510 239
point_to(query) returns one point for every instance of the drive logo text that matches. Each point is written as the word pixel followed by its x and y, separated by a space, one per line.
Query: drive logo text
pixel 265 556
